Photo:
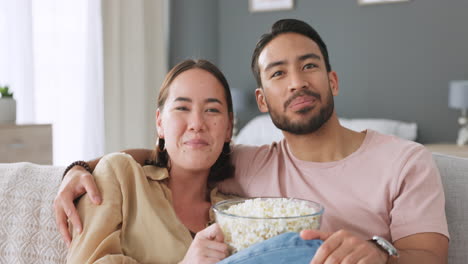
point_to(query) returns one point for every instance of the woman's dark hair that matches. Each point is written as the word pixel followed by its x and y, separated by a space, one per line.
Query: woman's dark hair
pixel 287 26
pixel 222 168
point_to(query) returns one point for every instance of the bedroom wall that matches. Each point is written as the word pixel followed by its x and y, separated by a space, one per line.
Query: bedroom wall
pixel 393 61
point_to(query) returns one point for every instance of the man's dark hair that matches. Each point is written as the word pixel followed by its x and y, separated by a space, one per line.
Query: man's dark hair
pixel 287 26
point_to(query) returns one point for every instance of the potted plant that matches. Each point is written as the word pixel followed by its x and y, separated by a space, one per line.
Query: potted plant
pixel 7 106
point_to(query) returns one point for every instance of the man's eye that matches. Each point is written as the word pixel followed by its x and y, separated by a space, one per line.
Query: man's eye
pixel 212 110
pixel 309 66
pixel 277 73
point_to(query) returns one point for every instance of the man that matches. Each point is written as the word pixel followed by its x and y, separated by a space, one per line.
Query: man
pixel 369 183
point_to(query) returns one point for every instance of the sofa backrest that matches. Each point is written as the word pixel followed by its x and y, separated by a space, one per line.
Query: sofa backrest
pixel 454 174
pixel 27 224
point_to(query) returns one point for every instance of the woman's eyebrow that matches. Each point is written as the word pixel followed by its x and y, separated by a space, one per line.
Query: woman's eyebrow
pixel 213 100
pixel 183 99
pixel 208 100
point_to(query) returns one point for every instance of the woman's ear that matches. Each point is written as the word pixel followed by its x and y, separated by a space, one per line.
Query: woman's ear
pixel 261 103
pixel 159 126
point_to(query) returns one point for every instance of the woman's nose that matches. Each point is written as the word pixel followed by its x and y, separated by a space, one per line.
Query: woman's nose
pixel 197 121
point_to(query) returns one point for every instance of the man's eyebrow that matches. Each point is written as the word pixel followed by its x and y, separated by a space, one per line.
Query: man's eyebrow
pixel 301 58
pixel 309 56
pixel 273 64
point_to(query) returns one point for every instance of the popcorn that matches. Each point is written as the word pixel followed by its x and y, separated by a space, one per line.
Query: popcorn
pixel 247 221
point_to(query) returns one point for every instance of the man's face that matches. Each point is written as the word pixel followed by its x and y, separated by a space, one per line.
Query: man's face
pixel 297 89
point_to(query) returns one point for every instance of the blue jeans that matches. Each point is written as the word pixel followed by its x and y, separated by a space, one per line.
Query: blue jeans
pixel 285 248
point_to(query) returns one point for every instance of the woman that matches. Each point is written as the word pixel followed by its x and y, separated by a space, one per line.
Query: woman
pixel 150 214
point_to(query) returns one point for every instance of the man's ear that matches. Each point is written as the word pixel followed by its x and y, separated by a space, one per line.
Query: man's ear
pixel 333 79
pixel 261 101
pixel 159 126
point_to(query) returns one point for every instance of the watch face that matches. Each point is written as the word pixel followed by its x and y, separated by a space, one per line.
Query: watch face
pixel 385 245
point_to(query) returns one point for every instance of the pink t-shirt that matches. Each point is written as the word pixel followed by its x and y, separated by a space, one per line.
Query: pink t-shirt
pixel 389 187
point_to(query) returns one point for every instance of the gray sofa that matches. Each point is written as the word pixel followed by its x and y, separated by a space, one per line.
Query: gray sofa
pixel 27 225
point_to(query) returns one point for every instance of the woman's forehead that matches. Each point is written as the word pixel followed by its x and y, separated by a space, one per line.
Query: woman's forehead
pixel 196 84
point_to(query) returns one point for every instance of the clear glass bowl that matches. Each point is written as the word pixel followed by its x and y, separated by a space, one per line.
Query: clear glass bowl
pixel 241 231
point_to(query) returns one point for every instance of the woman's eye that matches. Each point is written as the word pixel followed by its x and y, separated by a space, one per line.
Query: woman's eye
pixel 181 108
pixel 309 66
pixel 276 74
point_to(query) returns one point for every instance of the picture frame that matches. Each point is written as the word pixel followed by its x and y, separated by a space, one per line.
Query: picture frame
pixel 373 2
pixel 270 5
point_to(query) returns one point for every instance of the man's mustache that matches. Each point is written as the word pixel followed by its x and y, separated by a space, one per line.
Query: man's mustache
pixel 298 94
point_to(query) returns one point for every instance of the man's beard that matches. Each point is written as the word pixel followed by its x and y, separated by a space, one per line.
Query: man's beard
pixel 303 127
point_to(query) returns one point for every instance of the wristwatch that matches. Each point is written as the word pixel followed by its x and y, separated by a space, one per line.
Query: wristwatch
pixel 386 246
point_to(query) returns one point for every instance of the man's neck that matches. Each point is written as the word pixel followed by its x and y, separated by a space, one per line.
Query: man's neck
pixel 331 142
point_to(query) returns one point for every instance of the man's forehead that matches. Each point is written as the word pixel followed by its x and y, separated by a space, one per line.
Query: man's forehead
pixel 287 47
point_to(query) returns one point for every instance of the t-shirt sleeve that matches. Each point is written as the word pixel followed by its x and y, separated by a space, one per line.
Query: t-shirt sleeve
pixel 419 202
pixel 245 160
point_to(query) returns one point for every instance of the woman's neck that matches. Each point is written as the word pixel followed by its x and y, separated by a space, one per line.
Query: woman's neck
pixel 190 197
pixel 188 185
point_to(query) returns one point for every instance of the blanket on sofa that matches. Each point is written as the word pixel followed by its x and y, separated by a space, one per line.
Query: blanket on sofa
pixel 27 224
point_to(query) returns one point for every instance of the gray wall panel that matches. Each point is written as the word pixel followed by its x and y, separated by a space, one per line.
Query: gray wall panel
pixel 193 30
pixel 393 61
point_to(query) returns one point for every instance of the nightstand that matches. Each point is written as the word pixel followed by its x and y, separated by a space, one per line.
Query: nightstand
pixel 449 149
pixel 32 143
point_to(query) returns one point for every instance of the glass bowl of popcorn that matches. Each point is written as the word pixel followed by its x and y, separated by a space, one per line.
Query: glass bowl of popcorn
pixel 245 222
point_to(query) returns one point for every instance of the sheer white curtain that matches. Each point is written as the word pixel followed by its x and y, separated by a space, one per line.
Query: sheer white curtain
pixel 51 55
pixel 16 58
pixel 135 62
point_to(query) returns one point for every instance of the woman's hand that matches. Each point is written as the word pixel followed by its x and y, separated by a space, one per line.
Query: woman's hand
pixel 76 182
pixel 207 247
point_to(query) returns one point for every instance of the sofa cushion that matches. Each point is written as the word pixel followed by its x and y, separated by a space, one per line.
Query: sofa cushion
pixel 27 224
pixel 454 174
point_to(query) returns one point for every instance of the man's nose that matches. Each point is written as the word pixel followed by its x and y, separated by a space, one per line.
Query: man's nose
pixel 297 81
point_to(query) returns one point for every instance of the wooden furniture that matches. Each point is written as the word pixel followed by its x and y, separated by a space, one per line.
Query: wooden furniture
pixel 449 149
pixel 31 143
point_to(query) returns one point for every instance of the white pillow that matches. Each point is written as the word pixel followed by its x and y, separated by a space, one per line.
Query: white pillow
pixel 261 130
pixel 400 129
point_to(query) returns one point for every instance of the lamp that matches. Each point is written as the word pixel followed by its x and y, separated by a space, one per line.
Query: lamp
pixel 458 99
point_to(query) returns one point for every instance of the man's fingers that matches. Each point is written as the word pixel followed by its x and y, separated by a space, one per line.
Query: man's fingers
pixel 90 187
pixel 326 249
pixel 72 214
pixel 61 220
pixel 309 234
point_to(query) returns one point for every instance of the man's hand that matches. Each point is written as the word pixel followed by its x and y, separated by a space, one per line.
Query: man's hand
pixel 344 247
pixel 207 247
pixel 76 182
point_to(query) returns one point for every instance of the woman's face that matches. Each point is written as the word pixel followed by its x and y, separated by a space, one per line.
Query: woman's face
pixel 195 122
